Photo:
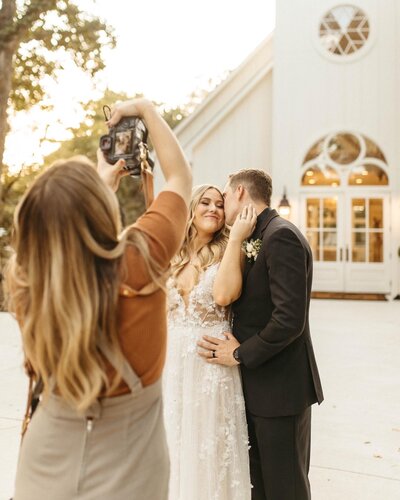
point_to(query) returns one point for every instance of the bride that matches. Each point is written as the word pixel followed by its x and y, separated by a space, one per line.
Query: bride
pixel 203 403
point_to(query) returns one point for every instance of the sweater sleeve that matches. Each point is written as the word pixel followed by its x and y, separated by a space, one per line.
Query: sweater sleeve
pixel 164 224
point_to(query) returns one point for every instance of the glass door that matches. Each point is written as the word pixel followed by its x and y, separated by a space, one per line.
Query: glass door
pixel 367 228
pixel 322 228
pixel 349 237
pixel 367 244
pixel 322 224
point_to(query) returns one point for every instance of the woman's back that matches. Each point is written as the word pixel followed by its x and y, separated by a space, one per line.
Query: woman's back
pixel 91 445
pixel 91 307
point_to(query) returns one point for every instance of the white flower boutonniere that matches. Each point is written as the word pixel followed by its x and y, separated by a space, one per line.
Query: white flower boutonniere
pixel 251 248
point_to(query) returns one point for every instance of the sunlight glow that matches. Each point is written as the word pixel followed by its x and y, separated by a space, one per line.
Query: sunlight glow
pixel 165 50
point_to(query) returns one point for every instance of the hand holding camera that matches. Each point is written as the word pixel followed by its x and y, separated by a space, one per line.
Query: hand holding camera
pixel 129 124
pixel 133 107
pixel 127 137
pixel 111 174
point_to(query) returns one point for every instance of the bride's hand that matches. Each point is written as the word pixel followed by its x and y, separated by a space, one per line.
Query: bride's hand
pixel 244 224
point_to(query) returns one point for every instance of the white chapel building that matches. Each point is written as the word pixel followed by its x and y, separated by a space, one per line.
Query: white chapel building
pixel 317 105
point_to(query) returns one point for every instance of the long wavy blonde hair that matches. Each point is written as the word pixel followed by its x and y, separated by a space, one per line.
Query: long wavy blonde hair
pixel 63 279
pixel 210 253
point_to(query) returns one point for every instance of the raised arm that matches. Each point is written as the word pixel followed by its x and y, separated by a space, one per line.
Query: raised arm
pixel 174 166
pixel 228 282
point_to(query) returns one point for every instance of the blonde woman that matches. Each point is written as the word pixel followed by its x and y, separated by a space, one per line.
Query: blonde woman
pixel 93 324
pixel 203 403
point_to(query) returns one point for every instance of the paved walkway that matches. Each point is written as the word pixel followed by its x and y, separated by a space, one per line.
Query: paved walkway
pixel 356 431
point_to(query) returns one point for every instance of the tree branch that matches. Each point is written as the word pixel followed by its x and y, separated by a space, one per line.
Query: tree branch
pixel 22 23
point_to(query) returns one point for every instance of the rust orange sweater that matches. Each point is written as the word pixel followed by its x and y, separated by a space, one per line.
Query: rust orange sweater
pixel 142 319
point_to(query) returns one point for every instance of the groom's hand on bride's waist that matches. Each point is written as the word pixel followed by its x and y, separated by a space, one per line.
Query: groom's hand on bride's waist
pixel 219 351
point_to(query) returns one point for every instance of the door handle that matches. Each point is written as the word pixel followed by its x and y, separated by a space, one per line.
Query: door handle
pixel 347 253
pixel 341 255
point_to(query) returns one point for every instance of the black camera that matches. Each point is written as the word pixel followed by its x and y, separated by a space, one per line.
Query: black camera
pixel 127 140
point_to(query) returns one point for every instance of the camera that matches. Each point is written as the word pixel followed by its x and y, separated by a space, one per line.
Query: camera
pixel 127 140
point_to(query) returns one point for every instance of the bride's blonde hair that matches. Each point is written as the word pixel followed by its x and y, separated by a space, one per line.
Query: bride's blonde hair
pixel 210 253
pixel 63 279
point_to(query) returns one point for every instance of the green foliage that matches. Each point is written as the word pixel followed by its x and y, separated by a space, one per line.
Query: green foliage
pixel 173 116
pixel 38 36
pixel 46 31
pixel 85 140
pixel 14 186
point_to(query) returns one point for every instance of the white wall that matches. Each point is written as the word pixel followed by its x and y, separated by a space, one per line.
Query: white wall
pixel 232 129
pixel 243 139
pixel 315 95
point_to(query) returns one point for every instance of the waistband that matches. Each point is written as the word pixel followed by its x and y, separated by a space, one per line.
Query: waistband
pixel 105 407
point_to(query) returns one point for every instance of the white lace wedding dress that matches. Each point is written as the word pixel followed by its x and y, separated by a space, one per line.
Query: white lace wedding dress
pixel 203 403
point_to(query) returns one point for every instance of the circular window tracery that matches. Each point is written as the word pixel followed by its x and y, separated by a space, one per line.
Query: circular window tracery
pixel 344 148
pixel 368 175
pixel 348 158
pixel 344 30
pixel 320 176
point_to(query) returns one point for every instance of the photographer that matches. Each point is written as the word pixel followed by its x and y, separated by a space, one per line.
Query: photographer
pixel 91 307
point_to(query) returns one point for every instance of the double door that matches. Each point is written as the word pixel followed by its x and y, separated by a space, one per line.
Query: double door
pixel 349 236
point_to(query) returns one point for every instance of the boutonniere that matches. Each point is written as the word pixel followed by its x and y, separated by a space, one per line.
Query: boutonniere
pixel 251 248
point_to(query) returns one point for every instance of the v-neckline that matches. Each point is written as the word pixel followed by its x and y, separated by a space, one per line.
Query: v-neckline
pixel 188 294
pixel 178 290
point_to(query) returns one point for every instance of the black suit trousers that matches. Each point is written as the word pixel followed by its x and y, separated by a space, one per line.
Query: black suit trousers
pixel 280 456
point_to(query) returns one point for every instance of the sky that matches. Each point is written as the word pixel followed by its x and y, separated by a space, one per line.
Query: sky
pixel 165 49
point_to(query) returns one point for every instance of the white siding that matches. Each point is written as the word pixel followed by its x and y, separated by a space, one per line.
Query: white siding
pixel 315 95
pixel 290 86
pixel 242 139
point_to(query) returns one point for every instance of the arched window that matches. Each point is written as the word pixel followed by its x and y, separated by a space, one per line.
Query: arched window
pixel 344 148
pixel 368 175
pixel 344 158
pixel 324 176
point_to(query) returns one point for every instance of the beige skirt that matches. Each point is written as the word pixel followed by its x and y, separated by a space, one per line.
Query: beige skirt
pixel 117 451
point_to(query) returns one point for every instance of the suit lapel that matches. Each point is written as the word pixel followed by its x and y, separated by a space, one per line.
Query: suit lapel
pixel 258 234
pixel 247 268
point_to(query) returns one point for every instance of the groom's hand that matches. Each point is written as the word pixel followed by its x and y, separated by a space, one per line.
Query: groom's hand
pixel 219 351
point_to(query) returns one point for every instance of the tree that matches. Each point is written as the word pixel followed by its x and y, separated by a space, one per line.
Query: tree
pixel 85 140
pixel 31 32
pixel 14 186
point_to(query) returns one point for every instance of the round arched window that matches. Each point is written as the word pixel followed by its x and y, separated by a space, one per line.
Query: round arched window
pixel 344 30
pixel 348 157
pixel 368 175
pixel 320 176
pixel 344 148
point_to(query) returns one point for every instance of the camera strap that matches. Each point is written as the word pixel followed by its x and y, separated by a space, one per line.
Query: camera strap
pixel 147 174
pixel 146 163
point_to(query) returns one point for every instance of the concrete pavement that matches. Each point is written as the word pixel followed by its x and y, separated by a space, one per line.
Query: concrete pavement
pixel 356 431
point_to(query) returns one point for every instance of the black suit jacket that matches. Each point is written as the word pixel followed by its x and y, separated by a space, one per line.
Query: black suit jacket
pixel 270 320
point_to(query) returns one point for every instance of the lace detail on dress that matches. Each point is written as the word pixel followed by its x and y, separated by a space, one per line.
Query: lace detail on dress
pixel 204 407
pixel 201 310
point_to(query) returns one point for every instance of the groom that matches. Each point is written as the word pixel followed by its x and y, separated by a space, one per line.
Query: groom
pixel 271 342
